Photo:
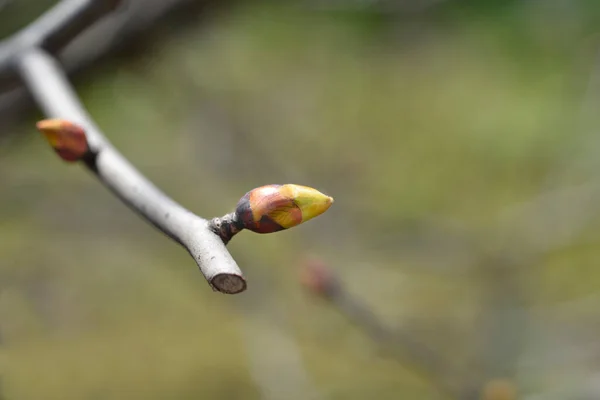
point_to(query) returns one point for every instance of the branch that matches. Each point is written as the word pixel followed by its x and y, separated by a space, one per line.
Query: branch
pixel 52 31
pixel 321 280
pixel 75 137
pixel 55 96
pixel 62 23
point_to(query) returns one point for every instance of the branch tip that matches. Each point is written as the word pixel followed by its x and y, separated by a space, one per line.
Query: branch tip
pixel 228 283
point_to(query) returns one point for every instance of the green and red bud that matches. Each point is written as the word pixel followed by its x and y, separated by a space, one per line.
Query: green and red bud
pixel 273 208
pixel 499 389
pixel 67 139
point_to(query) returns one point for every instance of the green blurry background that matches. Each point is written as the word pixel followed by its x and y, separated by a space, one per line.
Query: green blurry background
pixel 428 122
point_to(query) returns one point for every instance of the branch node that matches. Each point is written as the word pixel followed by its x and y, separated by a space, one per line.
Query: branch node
pixel 226 227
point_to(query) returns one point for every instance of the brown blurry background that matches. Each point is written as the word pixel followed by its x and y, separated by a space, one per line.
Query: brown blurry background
pixel 459 139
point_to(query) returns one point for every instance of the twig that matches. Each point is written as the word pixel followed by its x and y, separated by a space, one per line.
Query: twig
pixel 55 96
pixel 52 31
pixel 264 210
pixel 427 363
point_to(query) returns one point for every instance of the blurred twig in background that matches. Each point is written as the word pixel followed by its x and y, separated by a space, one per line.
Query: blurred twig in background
pixel 320 280
pixel 496 358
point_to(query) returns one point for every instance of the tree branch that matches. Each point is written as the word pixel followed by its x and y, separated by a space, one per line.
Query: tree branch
pixel 62 23
pixel 55 96
pixel 398 344
pixel 52 31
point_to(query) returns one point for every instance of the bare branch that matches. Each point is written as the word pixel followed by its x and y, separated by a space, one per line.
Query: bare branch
pixel 399 344
pixel 52 31
pixel 55 96
pixel 61 24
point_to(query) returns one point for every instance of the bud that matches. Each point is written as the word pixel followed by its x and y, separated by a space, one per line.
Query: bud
pixel 67 139
pixel 273 208
pixel 499 389
pixel 316 277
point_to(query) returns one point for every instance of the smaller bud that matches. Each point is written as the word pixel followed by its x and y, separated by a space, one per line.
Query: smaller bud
pixel 273 208
pixel 499 389
pixel 66 138
pixel 316 277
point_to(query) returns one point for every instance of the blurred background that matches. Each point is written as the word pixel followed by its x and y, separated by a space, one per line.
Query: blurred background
pixel 459 139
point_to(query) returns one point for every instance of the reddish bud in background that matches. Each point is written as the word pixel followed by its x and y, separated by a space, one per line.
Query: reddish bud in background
pixel 66 138
pixel 499 389
pixel 316 277
pixel 272 208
